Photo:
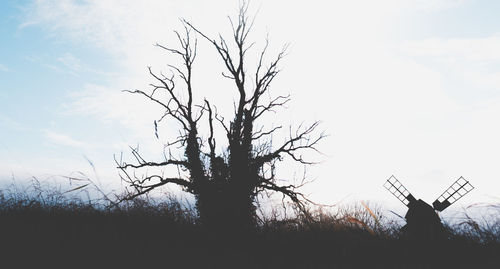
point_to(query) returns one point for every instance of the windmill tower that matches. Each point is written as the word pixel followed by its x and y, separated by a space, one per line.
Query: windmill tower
pixel 422 221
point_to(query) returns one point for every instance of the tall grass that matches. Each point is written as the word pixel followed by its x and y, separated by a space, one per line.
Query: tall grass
pixel 65 228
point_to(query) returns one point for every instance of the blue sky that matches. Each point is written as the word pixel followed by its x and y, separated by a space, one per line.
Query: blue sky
pixel 410 88
pixel 39 74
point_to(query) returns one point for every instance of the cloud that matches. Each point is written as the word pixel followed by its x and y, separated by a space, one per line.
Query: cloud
pixel 64 140
pixel 470 49
pixel 8 122
pixel 70 61
pixel 110 104
pixel 388 109
pixel 4 68
pixel 111 25
pixel 472 64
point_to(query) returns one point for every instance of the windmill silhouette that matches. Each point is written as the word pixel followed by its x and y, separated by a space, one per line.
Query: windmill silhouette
pixel 422 221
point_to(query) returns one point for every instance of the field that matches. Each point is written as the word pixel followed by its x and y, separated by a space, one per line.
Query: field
pixel 52 229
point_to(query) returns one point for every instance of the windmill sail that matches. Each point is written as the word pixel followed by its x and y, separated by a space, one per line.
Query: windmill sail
pixel 398 190
pixel 456 191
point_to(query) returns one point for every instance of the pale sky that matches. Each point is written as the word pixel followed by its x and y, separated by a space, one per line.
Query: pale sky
pixel 410 88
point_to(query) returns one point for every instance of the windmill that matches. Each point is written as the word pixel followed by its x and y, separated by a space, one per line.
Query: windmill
pixel 422 221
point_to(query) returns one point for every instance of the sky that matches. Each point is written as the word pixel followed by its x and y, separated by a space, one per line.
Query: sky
pixel 404 88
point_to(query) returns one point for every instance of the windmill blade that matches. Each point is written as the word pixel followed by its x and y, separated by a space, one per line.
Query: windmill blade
pixel 398 190
pixel 456 191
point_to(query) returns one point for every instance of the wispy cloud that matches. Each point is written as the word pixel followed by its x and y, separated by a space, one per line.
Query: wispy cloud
pixel 3 68
pixel 70 61
pixel 111 25
pixel 474 62
pixel 111 106
pixel 7 122
pixel 65 63
pixel 64 140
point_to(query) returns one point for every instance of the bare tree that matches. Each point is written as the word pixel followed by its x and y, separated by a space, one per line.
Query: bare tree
pixel 226 184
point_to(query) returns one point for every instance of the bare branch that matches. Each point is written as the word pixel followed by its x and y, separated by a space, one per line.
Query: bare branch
pixel 143 189
pixel 247 165
pixel 152 164
pixel 295 143
pixel 260 134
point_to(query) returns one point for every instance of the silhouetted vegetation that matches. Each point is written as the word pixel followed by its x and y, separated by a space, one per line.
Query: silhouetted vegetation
pixel 226 176
pixel 53 228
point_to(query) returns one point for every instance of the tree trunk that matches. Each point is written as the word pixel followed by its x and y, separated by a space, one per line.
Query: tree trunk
pixel 224 209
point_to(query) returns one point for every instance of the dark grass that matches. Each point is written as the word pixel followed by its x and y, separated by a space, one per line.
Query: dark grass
pixel 46 229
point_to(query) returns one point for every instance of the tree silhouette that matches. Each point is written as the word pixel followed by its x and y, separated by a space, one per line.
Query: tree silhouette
pixel 226 184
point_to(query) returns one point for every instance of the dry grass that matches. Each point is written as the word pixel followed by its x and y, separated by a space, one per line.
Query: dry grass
pixel 58 227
